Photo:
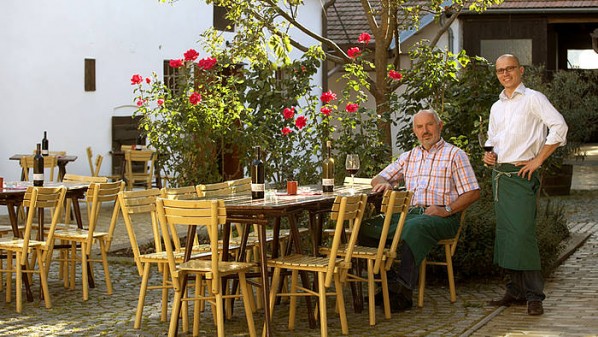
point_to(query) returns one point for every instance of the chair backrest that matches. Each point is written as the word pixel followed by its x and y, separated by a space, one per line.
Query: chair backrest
pixel 202 213
pixel 132 147
pixel 144 159
pixel 345 208
pixel 179 193
pixel 455 240
pixel 393 202
pixel 240 185
pixel 90 159
pixel 97 194
pixel 213 190
pixel 94 167
pixel 134 203
pixel 358 181
pixel 41 198
pixel 49 162
pixel 69 177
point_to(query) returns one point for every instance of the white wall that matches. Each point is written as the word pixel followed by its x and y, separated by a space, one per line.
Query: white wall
pixel 44 44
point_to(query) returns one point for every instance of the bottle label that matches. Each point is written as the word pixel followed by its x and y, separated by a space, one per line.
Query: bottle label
pixel 327 182
pixel 38 176
pixel 258 187
pixel 45 152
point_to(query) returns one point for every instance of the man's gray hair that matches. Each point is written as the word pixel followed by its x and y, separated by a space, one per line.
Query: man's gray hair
pixel 430 111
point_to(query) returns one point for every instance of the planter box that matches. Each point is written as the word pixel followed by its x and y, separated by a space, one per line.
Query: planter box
pixel 558 183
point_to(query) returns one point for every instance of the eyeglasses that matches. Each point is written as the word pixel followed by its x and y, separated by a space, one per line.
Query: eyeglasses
pixel 506 70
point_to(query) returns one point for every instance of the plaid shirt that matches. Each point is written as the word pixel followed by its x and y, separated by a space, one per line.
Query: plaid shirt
pixel 436 177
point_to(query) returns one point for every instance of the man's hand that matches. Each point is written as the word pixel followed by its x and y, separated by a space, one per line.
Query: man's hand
pixel 529 167
pixel 381 187
pixel 489 158
pixel 437 211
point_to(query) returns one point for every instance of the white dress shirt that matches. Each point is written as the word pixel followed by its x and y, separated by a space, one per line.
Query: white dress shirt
pixel 521 125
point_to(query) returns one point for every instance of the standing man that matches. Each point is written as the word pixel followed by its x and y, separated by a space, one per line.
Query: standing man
pixel 443 184
pixel 524 129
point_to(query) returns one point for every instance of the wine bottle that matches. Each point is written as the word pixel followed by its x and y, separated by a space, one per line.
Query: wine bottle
pixel 328 171
pixel 38 167
pixel 257 175
pixel 45 151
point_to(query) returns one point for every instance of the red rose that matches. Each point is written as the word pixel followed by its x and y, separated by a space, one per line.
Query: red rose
pixel 148 80
pixel 364 38
pixel 191 55
pixel 195 98
pixel 207 63
pixel 286 131
pixel 325 110
pixel 354 52
pixel 288 113
pixel 300 122
pixel 136 79
pixel 176 63
pixel 352 107
pixel 140 102
pixel 160 102
pixel 395 75
pixel 327 97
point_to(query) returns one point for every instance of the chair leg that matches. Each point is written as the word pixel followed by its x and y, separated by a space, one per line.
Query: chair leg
pixel 197 304
pixel 142 293
pixel 322 304
pixel 165 281
pixel 220 314
pixel 246 293
pixel 449 269
pixel 43 279
pixel 371 290
pixel 84 277
pixel 385 295
pixel 174 316
pixel 422 284
pixel 293 299
pixel 9 268
pixel 104 253
pixel 19 283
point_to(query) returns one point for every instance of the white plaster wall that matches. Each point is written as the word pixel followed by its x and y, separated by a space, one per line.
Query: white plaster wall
pixel 43 47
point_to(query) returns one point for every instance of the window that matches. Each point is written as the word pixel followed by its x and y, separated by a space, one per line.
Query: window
pixel 492 49
pixel 90 75
pixel 582 59
pixel 170 77
pixel 220 21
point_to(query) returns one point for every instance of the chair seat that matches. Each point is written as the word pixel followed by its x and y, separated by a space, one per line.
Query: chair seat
pixel 10 243
pixel 223 267
pixel 163 257
pixel 301 262
pixel 77 233
pixel 363 252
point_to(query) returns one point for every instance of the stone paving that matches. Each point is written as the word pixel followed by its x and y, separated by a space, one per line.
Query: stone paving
pixel 571 306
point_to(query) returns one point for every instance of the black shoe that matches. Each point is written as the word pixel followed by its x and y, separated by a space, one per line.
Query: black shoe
pixel 534 308
pixel 506 301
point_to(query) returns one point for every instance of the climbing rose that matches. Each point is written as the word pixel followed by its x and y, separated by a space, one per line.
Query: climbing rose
pixel 191 55
pixel 288 113
pixel 140 102
pixel 195 98
pixel 327 97
pixel 136 79
pixel 286 131
pixel 352 107
pixel 160 102
pixel 176 63
pixel 326 110
pixel 395 75
pixel 300 122
pixel 354 52
pixel 364 38
pixel 148 80
pixel 207 63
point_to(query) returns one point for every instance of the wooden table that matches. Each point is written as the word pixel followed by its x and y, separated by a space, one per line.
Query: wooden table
pixel 240 208
pixel 62 161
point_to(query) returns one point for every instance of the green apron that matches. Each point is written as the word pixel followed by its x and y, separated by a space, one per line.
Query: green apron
pixel 515 246
pixel 421 232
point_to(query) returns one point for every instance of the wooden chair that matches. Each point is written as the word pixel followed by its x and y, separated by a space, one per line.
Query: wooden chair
pixel 50 162
pixel 209 214
pixel 69 177
pixel 379 259
pixel 97 194
pixel 143 159
pixel 36 198
pixel 327 269
pixel 450 246
pixel 94 166
pixel 358 181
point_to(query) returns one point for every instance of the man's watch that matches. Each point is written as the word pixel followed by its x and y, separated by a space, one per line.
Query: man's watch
pixel 448 209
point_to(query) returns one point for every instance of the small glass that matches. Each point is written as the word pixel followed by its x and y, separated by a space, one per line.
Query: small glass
pixel 352 167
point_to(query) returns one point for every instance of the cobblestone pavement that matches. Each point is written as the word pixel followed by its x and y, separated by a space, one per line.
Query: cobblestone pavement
pixel 571 306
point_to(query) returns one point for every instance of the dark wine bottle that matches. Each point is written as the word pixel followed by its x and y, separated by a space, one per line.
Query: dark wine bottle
pixel 257 175
pixel 38 167
pixel 45 142
pixel 328 171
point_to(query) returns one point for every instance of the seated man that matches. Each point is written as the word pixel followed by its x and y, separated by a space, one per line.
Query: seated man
pixel 443 183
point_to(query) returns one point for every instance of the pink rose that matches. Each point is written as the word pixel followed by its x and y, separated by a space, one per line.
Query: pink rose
pixel 286 130
pixel 160 102
pixel 207 63
pixel 140 102
pixel 288 113
pixel 136 79
pixel 300 122
pixel 327 97
pixel 176 63
pixel 354 52
pixel 325 110
pixel 352 107
pixel 364 38
pixel 395 75
pixel 191 55
pixel 195 98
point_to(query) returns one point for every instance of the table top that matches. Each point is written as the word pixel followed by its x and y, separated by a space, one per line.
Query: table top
pixel 65 158
pixel 19 187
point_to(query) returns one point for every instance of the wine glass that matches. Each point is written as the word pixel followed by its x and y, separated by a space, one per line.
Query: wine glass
pixel 483 140
pixel 352 166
